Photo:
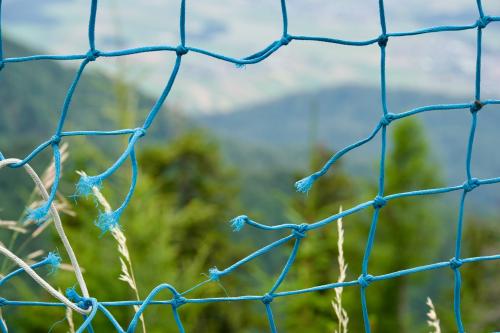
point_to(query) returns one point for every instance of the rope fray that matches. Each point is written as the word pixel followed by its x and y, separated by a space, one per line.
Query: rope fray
pixel 62 235
pixel 38 279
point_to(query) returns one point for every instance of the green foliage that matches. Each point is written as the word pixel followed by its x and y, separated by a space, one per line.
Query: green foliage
pixel 176 228
pixel 409 166
pixel 316 260
pixel 177 225
pixel 408 229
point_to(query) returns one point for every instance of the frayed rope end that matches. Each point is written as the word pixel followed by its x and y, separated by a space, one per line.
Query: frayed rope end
pixel 38 215
pixel 54 260
pixel 107 221
pixel 305 184
pixel 72 294
pixel 85 185
pixel 238 222
pixel 214 274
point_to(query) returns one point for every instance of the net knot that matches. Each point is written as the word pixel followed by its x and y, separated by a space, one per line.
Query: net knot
pixel 382 40
pixel 85 303
pixel 267 298
pixel 387 118
pixel 476 106
pixel 214 274
pixel 238 222
pixel 2 64
pixel 178 301
pixel 365 280
pixel 140 131
pixel 484 21
pixel 181 50
pixel 93 54
pixel 471 184
pixel 82 302
pixel 55 139
pixel 300 231
pixel 3 301
pixel 455 263
pixel 285 40
pixel 379 202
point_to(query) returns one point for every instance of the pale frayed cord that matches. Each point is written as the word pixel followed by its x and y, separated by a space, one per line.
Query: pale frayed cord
pixel 340 312
pixel 57 224
pixel 127 275
pixel 433 320
pixel 38 279
pixel 61 206
pixel 60 202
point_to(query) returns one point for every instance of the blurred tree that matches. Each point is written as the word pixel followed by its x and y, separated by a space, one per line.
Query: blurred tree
pixel 317 257
pixel 409 166
pixel 480 287
pixel 176 228
pixel 405 225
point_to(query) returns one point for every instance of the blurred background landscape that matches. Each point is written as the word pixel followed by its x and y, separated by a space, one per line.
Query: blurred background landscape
pixel 232 141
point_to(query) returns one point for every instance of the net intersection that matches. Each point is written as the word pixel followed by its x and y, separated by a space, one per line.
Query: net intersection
pixel 89 306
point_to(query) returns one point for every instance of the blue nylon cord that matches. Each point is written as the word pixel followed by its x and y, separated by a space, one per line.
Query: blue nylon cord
pixel 298 231
pixel 287 266
pixel 52 259
pixel 270 318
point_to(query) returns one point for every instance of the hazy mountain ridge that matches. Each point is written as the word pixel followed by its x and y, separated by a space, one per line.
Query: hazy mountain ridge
pixel 273 136
pixel 240 28
pixel 344 115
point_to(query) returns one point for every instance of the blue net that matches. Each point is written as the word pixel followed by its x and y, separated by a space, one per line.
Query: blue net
pixel 108 220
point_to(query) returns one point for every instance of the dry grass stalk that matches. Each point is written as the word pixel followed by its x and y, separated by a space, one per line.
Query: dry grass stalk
pixel 13 226
pixel 35 254
pixel 433 320
pixel 48 175
pixel 69 267
pixel 60 203
pixel 69 318
pixel 340 312
pixel 127 272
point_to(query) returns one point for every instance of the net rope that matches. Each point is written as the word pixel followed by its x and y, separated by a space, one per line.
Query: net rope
pixel 89 306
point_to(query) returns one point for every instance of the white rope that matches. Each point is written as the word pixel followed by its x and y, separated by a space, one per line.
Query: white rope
pixel 62 235
pixel 41 281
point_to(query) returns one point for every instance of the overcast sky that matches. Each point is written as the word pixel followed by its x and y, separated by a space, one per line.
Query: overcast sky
pixel 436 62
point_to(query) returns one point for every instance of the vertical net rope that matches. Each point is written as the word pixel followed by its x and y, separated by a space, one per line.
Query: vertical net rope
pixel 89 306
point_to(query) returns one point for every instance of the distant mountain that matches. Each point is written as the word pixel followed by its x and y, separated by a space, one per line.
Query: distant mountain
pixel 267 142
pixel 340 116
pixel 32 94
pixel 31 97
pixel 239 28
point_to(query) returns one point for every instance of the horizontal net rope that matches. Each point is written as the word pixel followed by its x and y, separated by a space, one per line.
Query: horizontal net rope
pixel 90 306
